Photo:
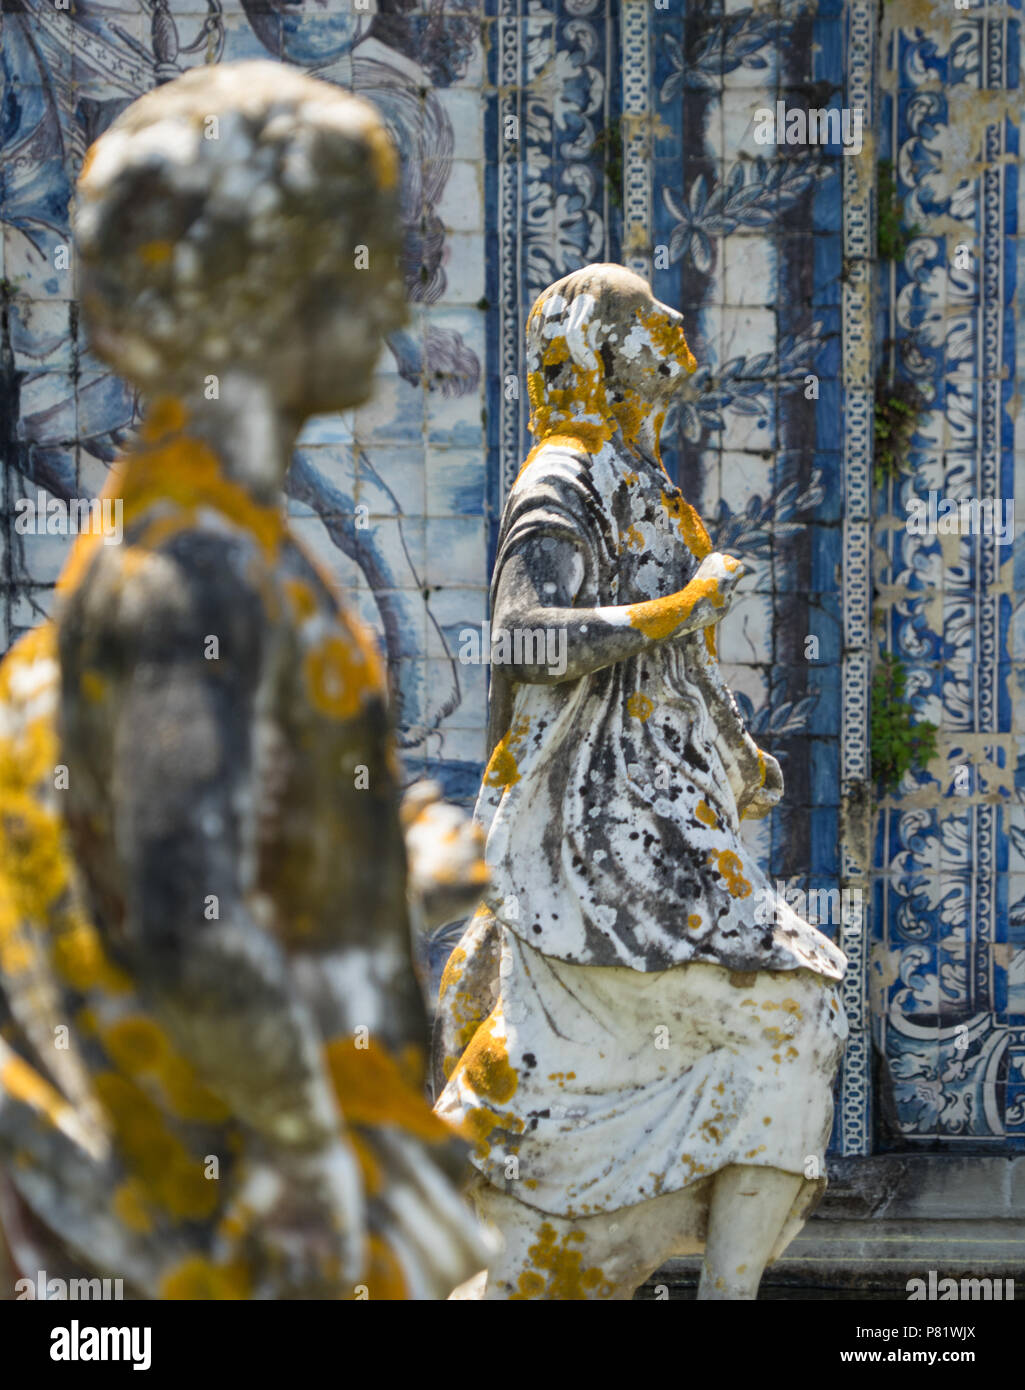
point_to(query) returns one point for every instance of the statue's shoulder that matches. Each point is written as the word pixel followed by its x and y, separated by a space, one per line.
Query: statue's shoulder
pixel 168 592
pixel 558 459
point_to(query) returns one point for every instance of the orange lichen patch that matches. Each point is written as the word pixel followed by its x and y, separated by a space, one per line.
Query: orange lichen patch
pixel 302 598
pixel 93 687
pixel 580 436
pixel 631 478
pixel 688 523
pixel 710 647
pixel 131 1206
pixel 17 953
pixel 172 1178
pixel 155 253
pixel 372 1089
pixel 453 971
pixel 486 1067
pixel 731 867
pixel 383 1275
pixel 186 1096
pixel 502 769
pixel 634 538
pixel 706 815
pixel 341 675
pixel 753 1153
pixel 87 163
pixel 658 618
pixel 792 1007
pixel 22 1082
pixel 184 472
pixel 639 706
pixel 166 416
pixel 135 1044
pixel 383 157
pixel 558 1272
pixel 80 961
pixel 693 921
pixel 767 1120
pixel 668 337
pixel 199 1278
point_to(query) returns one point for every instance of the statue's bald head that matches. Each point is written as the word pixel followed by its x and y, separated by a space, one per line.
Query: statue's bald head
pixel 220 222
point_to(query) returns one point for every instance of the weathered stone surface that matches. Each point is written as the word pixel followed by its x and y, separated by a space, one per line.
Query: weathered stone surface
pixel 651 1070
pixel 203 884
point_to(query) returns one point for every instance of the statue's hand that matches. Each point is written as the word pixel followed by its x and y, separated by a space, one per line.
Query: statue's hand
pixel 725 573
pixel 761 799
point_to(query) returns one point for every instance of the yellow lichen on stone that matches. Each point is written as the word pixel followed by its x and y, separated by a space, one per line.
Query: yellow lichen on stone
pixel 558 1272
pixel 199 1278
pixel 730 867
pixel 659 618
pixel 502 770
pixel 689 524
pixel 374 1088
pixel 23 1083
pixel 340 676
pixel 486 1067
pixel 131 1206
pixel 639 706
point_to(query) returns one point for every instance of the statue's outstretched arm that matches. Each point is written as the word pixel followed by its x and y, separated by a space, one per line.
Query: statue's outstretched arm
pixel 539 583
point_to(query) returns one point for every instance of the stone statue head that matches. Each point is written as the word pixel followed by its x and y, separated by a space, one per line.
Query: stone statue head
pixel 243 217
pixel 600 346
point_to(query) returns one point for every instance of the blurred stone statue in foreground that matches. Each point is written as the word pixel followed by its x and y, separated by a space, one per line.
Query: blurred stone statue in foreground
pixel 213 1044
pixel 645 1060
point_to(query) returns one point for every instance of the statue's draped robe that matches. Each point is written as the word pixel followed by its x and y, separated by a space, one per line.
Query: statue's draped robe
pixel 658 1011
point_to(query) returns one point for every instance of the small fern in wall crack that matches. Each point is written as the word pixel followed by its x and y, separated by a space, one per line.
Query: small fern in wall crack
pixel 898 741
pixel 898 408
pixel 892 237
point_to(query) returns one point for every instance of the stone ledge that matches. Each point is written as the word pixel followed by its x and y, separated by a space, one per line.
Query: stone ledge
pixel 876 1259
pixel 916 1187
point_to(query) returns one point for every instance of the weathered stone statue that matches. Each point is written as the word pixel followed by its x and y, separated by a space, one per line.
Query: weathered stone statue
pixel 211 1084
pixel 646 1065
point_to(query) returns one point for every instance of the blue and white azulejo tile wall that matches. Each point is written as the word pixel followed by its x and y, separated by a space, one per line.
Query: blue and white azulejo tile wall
pixel 538 135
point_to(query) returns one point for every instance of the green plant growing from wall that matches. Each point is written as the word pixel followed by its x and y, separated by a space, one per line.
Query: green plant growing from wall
pixel 898 741
pixel 898 408
pixel 608 147
pixel 892 237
